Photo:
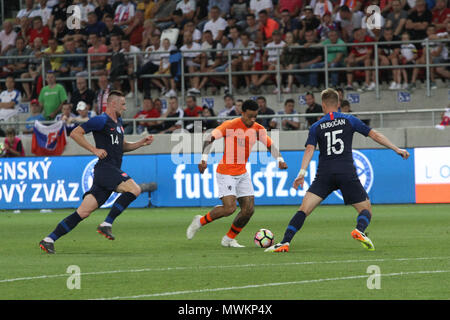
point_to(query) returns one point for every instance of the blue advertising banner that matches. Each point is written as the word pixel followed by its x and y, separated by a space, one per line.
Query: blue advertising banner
pixel 60 182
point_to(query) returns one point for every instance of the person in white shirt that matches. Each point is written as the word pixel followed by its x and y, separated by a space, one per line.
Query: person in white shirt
pixel 247 53
pixel 128 48
pixel 321 7
pixel 124 13
pixel 43 11
pixel 192 61
pixel 85 8
pixel 84 114
pixel 257 5
pixel 7 37
pixel 216 24
pixel 25 12
pixel 270 58
pixel 188 7
pixel 10 98
pixel 67 117
pixel 289 123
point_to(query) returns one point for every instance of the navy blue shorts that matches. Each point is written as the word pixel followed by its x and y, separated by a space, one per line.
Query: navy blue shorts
pixel 106 180
pixel 349 184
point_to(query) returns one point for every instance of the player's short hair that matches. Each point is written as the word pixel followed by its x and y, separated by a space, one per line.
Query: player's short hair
pixel 330 97
pixel 289 101
pixel 113 94
pixel 250 105
pixel 345 103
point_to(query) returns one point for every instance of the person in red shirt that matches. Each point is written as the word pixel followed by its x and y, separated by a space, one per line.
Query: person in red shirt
pixel 148 111
pixel 441 15
pixel 136 28
pixel 267 26
pixel 192 110
pixel 39 31
pixel 361 55
pixel 293 6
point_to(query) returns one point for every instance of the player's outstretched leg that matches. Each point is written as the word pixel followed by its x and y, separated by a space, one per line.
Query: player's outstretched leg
pixel 130 191
pixel 246 204
pixel 228 208
pixel 362 222
pixel 310 202
pixel 63 227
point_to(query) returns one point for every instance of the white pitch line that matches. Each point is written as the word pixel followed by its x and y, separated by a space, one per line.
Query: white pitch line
pixel 218 267
pixel 162 294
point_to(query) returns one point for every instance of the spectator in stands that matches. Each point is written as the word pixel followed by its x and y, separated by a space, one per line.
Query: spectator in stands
pixel 309 22
pixel 84 114
pixel 164 68
pixel 252 27
pixel 148 111
pixel 34 70
pixel 267 26
pixel 52 96
pixel 13 145
pixel 256 6
pixel 135 29
pixel 71 65
pixel 247 54
pixel 349 21
pixel 191 110
pixel 150 65
pixel 208 124
pixel 345 106
pixel 93 25
pixel 418 21
pixel 104 8
pixel 443 71
pixel 229 107
pixel 445 119
pixel 335 55
pixel 289 123
pixel 326 26
pixel 312 107
pixel 44 11
pixel 59 12
pixel 36 114
pixel 18 66
pixel 25 12
pixel 111 29
pixel 408 56
pixel 54 48
pixel 289 24
pixel 236 57
pixel 440 15
pixel 192 61
pixel 237 112
pixel 265 110
pixel 163 13
pixel 360 55
pixel 211 60
pixel 7 38
pixel 102 94
pixel 311 58
pixel 289 59
pixel 98 62
pixel 196 34
pixel 292 6
pixel 216 24
pixel 397 18
pixel 82 93
pixel 173 111
pixel 188 8
pixel 435 56
pixel 24 30
pixel 39 30
pixel 11 97
pixel 60 31
pixel 124 13
pixel 67 117
pixel 270 58
pixel 388 54
pixel 322 6
pixel 132 64
pixel 222 5
pixel 239 10
pixel 117 64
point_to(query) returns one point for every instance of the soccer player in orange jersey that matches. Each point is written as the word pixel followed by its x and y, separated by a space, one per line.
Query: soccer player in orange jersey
pixel 233 180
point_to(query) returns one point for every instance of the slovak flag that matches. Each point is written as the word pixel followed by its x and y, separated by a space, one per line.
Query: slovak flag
pixel 48 140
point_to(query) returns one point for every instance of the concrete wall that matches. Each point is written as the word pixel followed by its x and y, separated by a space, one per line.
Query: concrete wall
pixel 293 140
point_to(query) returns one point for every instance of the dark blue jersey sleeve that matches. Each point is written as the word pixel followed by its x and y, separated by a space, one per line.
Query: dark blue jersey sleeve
pixel 312 136
pixel 94 124
pixel 359 126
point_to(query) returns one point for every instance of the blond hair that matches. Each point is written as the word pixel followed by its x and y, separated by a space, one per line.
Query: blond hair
pixel 330 97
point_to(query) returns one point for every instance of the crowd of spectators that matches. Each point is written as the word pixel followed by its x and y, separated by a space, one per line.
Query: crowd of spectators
pixel 264 34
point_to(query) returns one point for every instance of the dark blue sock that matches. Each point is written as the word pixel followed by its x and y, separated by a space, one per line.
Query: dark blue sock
pixel 65 226
pixel 119 206
pixel 294 225
pixel 363 220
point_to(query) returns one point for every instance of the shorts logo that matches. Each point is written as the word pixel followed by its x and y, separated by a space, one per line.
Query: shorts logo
pixel 364 171
pixel 87 179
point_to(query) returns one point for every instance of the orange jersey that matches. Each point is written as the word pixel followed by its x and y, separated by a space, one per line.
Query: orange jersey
pixel 239 141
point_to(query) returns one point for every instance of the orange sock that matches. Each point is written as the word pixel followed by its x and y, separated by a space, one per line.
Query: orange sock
pixel 233 232
pixel 206 219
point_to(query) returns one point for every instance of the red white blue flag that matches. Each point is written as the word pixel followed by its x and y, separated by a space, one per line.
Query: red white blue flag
pixel 48 140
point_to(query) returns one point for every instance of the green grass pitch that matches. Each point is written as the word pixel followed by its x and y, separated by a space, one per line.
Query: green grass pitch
pixel 152 259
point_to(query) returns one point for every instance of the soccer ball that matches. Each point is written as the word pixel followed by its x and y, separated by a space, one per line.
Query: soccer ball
pixel 264 238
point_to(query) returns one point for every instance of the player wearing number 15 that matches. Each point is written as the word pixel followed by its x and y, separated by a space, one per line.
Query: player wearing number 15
pixel 334 134
pixel 108 177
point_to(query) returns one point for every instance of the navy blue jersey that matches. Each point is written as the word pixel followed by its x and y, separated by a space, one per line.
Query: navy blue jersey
pixel 334 134
pixel 108 135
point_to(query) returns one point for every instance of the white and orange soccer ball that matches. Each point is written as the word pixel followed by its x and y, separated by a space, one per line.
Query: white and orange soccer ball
pixel 264 238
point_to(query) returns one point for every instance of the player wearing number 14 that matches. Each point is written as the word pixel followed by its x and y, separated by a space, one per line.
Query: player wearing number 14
pixel 334 134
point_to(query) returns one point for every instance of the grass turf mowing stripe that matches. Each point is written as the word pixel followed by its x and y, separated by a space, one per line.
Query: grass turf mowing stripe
pixel 270 285
pixel 219 267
